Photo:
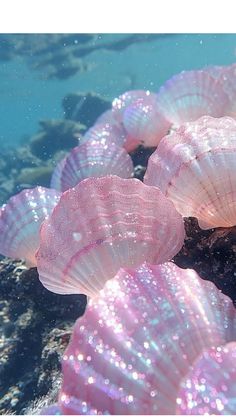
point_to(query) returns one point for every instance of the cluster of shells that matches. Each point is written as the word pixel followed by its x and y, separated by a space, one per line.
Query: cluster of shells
pixel 155 339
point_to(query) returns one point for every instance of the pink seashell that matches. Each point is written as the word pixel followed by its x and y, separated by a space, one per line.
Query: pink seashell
pixel 215 70
pixel 51 410
pixel 113 132
pixel 101 225
pixel 105 131
pixel 120 104
pixel 210 386
pixel 57 174
pixel 107 117
pixel 190 95
pixel 144 122
pixel 138 340
pixel 194 168
pixel 93 158
pixel 20 221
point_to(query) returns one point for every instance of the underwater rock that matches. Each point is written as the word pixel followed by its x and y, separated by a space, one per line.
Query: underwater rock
pixel 55 135
pixel 84 107
pixel 62 55
pixel 35 326
pixel 212 254
pixel 37 176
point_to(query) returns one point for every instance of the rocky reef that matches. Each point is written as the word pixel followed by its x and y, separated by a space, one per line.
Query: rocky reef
pixel 35 329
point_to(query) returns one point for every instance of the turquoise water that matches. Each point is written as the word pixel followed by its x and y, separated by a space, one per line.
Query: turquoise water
pixel 28 95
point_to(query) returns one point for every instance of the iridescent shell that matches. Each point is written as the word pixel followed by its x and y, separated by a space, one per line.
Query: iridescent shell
pixel 144 122
pixel 138 340
pixel 190 95
pixel 20 221
pixel 101 225
pixel 52 410
pixel 195 167
pixel 113 130
pixel 57 174
pixel 215 70
pixel 120 104
pixel 210 386
pixel 105 131
pixel 93 158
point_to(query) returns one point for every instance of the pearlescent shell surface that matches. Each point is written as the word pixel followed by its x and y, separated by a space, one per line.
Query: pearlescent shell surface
pixel 113 130
pixel 190 95
pixel 144 122
pixel 195 167
pixel 20 221
pixel 93 158
pixel 215 71
pixel 102 225
pixel 139 338
pixel 57 174
pixel 210 386
pixel 120 104
pixel 105 131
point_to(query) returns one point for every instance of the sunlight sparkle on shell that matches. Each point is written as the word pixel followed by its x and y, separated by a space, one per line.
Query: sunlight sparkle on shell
pixel 139 339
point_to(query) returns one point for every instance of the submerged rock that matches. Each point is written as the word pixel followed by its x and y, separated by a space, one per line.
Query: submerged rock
pixel 35 328
pixel 84 107
pixel 37 176
pixel 55 135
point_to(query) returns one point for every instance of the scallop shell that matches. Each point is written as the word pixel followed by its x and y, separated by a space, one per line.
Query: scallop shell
pixel 191 94
pixel 94 158
pixel 52 410
pixel 210 386
pixel 20 221
pixel 138 340
pixel 144 122
pixel 120 104
pixel 105 131
pixel 101 225
pixel 195 167
pixel 215 70
pixel 57 174
pixel 112 129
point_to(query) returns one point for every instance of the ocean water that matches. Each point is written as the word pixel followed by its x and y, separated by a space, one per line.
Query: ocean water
pixel 37 72
pixel 28 94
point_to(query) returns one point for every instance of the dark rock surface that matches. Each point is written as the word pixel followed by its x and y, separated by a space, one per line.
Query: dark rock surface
pixel 35 327
pixel 212 253
pixel 84 107
pixel 55 135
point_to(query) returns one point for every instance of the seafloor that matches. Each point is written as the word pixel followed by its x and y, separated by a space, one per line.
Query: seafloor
pixel 35 323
